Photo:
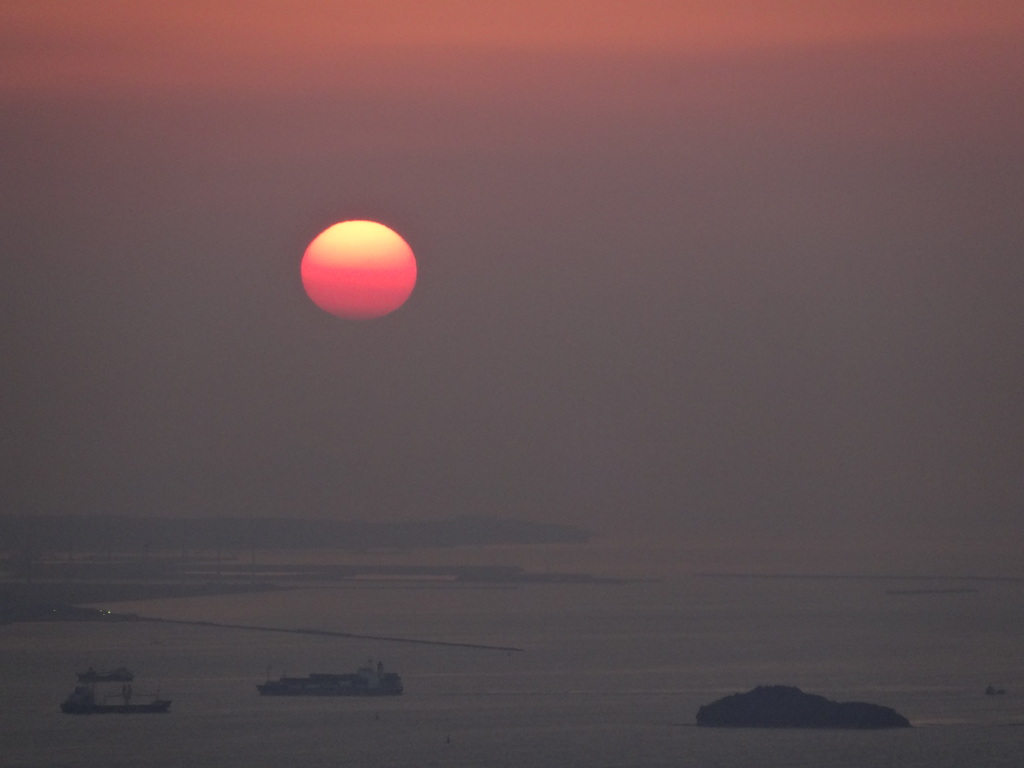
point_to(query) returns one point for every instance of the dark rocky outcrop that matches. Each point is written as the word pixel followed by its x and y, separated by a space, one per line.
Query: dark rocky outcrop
pixel 783 706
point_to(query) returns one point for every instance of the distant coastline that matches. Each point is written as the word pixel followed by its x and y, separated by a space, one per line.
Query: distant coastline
pixel 55 567
pixel 113 533
pixel 865 577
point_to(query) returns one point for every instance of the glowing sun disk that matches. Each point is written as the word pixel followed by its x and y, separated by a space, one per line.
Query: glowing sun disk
pixel 358 270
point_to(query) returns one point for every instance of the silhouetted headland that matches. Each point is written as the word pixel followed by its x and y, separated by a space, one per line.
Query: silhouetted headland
pixel 783 706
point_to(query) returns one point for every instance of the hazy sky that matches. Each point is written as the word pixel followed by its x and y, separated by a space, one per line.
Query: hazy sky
pixel 744 270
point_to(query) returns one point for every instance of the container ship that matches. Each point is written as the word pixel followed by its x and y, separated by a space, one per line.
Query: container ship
pixel 368 680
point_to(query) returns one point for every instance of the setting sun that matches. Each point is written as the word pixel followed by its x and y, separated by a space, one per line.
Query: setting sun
pixel 358 270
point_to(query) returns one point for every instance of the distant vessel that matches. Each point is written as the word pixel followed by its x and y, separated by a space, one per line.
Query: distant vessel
pixel 119 675
pixel 82 701
pixel 367 681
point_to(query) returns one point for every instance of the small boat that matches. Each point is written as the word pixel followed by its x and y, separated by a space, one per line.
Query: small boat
pixel 367 681
pixel 119 675
pixel 83 701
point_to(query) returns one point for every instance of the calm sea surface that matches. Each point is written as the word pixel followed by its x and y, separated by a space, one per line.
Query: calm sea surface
pixel 610 675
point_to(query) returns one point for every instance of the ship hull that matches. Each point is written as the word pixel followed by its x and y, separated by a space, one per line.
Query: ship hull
pixel 115 709
pixel 270 689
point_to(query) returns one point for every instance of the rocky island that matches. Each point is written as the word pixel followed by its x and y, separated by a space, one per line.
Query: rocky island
pixel 783 706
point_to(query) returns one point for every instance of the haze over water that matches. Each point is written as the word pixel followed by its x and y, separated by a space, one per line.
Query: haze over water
pixel 610 674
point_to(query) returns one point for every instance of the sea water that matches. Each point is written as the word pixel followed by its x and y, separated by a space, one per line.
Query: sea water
pixel 610 674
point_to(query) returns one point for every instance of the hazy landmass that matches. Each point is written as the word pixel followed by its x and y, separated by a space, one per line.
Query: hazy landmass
pixel 54 565
pixel 120 534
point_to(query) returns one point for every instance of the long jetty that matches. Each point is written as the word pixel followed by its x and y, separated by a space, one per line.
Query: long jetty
pixel 330 633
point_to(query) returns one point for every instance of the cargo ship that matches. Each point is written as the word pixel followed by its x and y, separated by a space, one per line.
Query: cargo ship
pixel 83 701
pixel 368 680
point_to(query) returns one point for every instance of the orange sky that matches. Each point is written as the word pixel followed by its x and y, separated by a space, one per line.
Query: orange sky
pixel 114 44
